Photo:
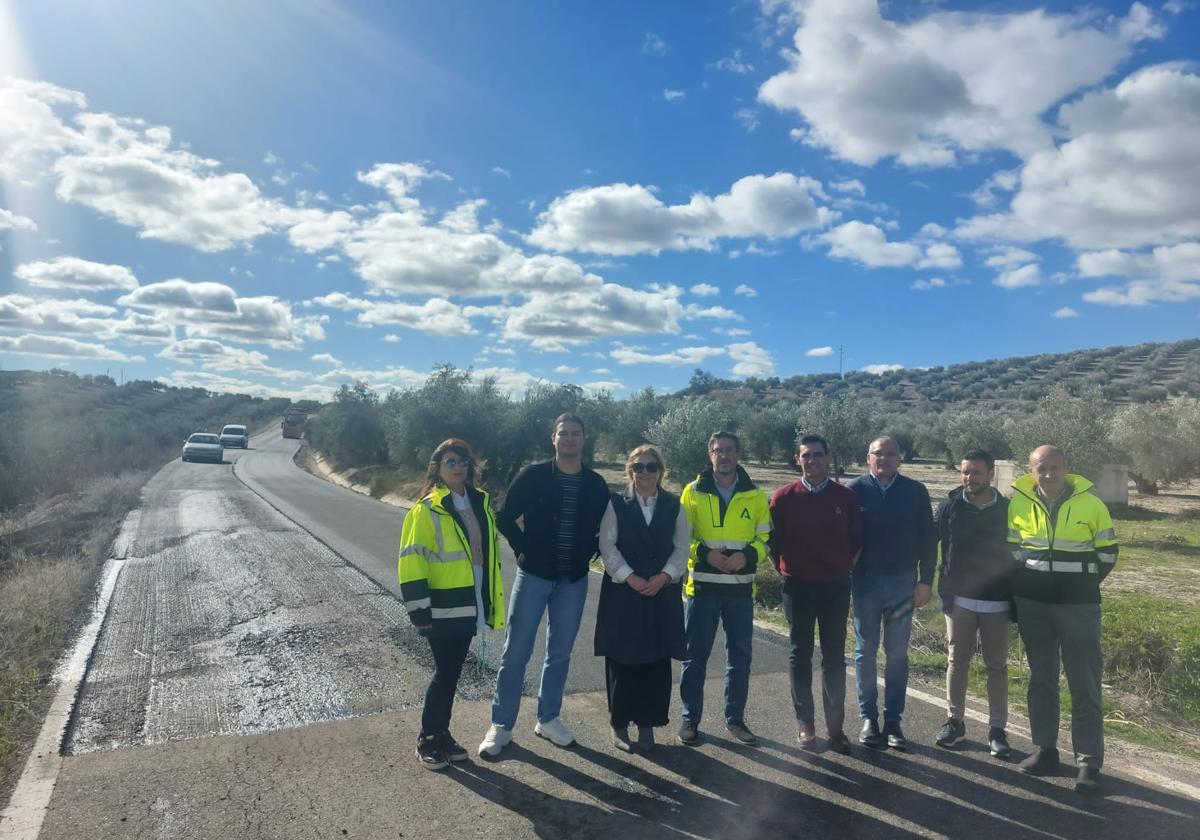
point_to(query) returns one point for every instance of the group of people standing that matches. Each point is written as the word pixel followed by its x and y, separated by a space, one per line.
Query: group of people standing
pixel 678 567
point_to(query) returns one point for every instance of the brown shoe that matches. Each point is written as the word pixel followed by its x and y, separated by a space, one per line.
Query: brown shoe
pixel 806 736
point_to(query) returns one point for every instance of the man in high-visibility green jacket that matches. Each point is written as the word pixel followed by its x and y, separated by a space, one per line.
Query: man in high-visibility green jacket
pixel 1064 546
pixel 730 519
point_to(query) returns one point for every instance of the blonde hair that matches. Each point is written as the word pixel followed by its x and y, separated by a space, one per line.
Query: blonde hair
pixel 646 449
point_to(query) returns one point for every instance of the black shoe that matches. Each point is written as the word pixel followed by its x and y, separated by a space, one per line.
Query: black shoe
pixel 454 751
pixel 952 732
pixel 742 733
pixel 1088 780
pixel 430 752
pixel 998 741
pixel 895 737
pixel 871 736
pixel 839 743
pixel 1043 762
pixel 688 735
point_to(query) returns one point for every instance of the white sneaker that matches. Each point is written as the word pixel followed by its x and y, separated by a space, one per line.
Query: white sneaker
pixel 555 731
pixel 496 739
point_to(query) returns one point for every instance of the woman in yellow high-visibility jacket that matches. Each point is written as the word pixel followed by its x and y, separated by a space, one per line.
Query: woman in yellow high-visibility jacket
pixel 450 584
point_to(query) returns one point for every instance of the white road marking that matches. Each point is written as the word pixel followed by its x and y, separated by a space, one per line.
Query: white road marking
pixel 22 819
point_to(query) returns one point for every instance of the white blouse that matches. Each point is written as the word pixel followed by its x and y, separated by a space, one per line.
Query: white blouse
pixel 616 566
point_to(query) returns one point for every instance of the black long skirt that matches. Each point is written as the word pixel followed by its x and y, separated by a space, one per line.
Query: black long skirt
pixel 638 694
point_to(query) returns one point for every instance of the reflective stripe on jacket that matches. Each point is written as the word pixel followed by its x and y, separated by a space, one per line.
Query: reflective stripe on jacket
pixel 1060 561
pixel 742 525
pixel 437 582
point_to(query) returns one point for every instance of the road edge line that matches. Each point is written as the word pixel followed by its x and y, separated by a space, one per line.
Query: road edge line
pixel 26 811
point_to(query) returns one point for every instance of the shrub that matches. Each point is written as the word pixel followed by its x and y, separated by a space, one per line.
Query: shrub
pixel 682 433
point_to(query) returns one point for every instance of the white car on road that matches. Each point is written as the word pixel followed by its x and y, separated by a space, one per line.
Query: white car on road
pixel 232 436
pixel 204 446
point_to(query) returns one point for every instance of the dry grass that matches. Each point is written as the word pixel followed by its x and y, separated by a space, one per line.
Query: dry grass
pixel 50 555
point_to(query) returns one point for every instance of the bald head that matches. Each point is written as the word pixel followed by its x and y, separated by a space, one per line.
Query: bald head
pixel 1049 468
pixel 883 458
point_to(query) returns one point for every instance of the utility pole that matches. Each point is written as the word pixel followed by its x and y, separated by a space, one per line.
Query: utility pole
pixel 841 375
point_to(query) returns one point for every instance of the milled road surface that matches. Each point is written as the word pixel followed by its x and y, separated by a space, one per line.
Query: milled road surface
pixel 250 683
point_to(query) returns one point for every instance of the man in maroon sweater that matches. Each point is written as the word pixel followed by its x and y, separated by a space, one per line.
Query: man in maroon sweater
pixel 815 540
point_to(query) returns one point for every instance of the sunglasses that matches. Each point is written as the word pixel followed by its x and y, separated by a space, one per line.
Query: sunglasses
pixel 457 462
pixel 651 467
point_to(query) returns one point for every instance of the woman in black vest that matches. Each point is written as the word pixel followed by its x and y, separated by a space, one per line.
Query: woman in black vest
pixel 644 540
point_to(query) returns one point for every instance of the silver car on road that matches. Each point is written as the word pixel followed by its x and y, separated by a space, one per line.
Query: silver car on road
pixel 204 446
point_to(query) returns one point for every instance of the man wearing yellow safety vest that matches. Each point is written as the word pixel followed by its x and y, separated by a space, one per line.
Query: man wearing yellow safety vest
pixel 1065 545
pixel 730 519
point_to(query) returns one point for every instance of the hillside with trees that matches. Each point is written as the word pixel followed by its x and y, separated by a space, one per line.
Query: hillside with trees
pixel 60 430
pixel 1133 405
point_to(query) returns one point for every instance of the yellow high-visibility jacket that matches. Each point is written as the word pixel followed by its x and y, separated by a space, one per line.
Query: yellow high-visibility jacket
pixel 742 525
pixel 1061 558
pixel 437 582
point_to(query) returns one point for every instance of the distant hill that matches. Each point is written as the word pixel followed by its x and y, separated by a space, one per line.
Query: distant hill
pixel 1138 374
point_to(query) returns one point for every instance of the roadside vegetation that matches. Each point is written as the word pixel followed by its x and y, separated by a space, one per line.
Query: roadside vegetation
pixel 74 454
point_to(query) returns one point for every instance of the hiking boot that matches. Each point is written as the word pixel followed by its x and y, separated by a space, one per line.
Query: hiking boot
pixel 952 732
pixel 998 742
pixel 741 733
pixel 870 735
pixel 430 752
pixel 620 739
pixel 688 735
pixel 1043 762
pixel 496 739
pixel 806 736
pixel 555 731
pixel 1088 780
pixel 645 739
pixel 454 751
pixel 839 743
pixel 895 736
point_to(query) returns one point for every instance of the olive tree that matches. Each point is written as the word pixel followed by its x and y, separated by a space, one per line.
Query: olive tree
pixel 682 433
pixel 1078 425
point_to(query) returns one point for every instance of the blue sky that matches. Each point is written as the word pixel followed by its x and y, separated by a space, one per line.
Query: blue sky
pixel 284 196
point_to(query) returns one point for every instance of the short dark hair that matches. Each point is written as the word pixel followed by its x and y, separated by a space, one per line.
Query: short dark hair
pixel 568 417
pixel 809 440
pixel 980 455
pixel 715 436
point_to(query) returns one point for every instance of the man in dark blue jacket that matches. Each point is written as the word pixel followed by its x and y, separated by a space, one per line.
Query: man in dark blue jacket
pixel 893 576
pixel 975 587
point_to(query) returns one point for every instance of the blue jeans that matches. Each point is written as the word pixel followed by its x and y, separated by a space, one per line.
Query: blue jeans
pixel 531 597
pixel 887 600
pixel 701 615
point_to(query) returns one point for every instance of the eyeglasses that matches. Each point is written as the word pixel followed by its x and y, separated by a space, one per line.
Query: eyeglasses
pixel 650 467
pixel 457 462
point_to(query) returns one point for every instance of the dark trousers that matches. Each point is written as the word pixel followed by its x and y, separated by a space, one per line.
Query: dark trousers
pixel 825 604
pixel 448 657
pixel 638 694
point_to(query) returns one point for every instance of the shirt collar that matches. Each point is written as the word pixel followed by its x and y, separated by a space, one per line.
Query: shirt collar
pixel 881 485
pixel 816 489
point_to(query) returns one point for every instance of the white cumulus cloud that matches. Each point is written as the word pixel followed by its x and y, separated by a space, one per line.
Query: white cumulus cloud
pixel 624 219
pixel 819 351
pixel 77 274
pixel 931 88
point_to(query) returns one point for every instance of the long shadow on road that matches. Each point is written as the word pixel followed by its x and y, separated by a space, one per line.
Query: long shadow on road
pixel 721 801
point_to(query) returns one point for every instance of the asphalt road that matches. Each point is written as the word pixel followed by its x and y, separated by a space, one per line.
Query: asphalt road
pixel 250 682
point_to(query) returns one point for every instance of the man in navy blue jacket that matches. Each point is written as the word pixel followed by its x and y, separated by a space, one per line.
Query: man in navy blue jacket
pixel 893 576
